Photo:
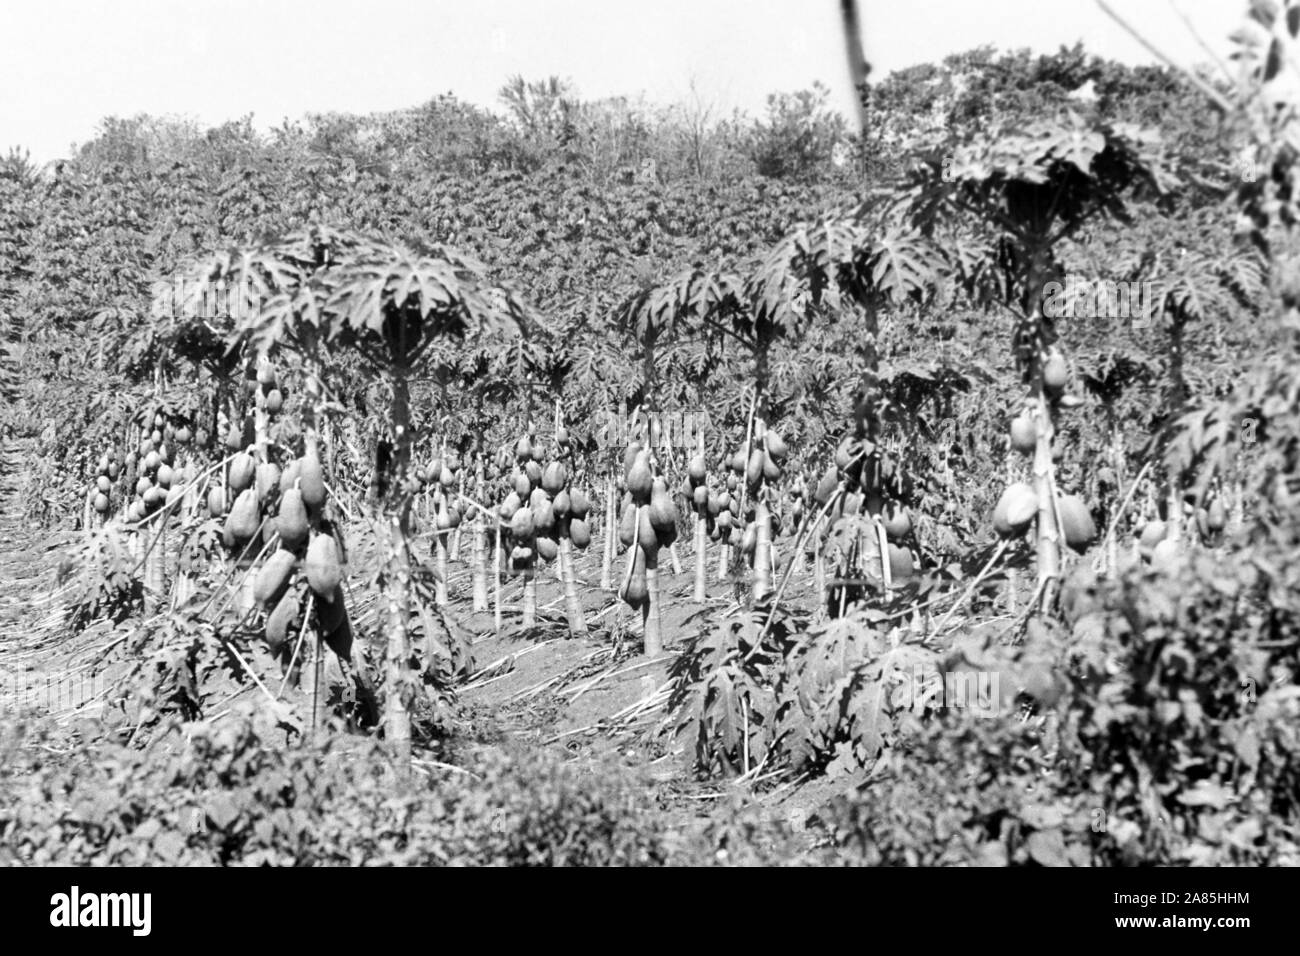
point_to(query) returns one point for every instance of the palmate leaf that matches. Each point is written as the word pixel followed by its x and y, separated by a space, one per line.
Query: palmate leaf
pixel 326 284
pixel 689 298
pixel 903 268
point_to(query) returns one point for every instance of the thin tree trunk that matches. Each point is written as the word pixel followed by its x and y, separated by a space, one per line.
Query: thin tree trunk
pixel 701 567
pixel 611 529
pixel 577 622
pixel 478 560
pixel 651 618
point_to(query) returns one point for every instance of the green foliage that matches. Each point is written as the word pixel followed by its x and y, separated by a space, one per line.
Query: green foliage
pixel 234 794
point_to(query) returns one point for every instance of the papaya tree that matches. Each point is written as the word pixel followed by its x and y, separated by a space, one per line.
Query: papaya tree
pixel 1016 196
pixel 323 291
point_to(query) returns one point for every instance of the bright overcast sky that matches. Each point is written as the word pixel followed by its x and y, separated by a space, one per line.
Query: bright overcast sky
pixel 65 65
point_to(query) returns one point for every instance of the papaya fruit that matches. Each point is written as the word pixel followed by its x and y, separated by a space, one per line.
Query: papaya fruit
pixel 776 446
pixel 324 572
pixel 267 480
pixel 281 620
pixel 579 533
pixel 242 469
pixel 183 435
pixel 749 540
pixel 543 518
pixel 1024 436
pixel 508 507
pixel 523 487
pixel 700 498
pixel 640 480
pixel 100 502
pixel 754 470
pixel 1153 532
pixel 1015 509
pixel 534 472
pixel 274 401
pixel 244 520
pixel 579 505
pixel 554 478
pixel 291 522
pixel 647 535
pixel 154 498
pixel 103 485
pixel 830 480
pixel 771 470
pixel 273 577
pixel 562 503
pixel 114 469
pixel 521 555
pixel 523 449
pixel 696 470
pixel 900 563
pixel 1055 372
pixel 151 463
pixel 635 590
pixel 663 511
pixel 311 481
pixel 289 477
pixel 165 476
pixel 1076 523
pixel 216 501
pixel 174 494
pixel 521 524
pixel 547 549
pixel 897 521
pixel 629 458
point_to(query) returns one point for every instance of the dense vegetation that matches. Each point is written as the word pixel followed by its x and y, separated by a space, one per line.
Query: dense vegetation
pixel 268 379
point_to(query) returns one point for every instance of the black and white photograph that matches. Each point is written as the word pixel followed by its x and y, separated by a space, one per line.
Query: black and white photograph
pixel 595 434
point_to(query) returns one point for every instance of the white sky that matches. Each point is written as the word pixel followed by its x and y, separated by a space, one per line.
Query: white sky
pixel 65 65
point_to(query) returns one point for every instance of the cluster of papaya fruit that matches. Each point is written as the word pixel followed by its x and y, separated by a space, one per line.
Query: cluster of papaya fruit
pixel 110 467
pixel 540 508
pixel 1158 545
pixel 647 522
pixel 268 383
pixel 1018 506
pixel 442 475
pixel 876 487
pixel 301 539
pixel 160 481
pixel 768 452
pixel 720 508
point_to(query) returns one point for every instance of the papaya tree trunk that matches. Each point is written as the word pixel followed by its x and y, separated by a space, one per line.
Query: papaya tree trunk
pixel 611 529
pixel 530 593
pixel 577 622
pixel 701 571
pixel 395 584
pixel 498 560
pixel 652 619
pixel 762 551
pixel 477 557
